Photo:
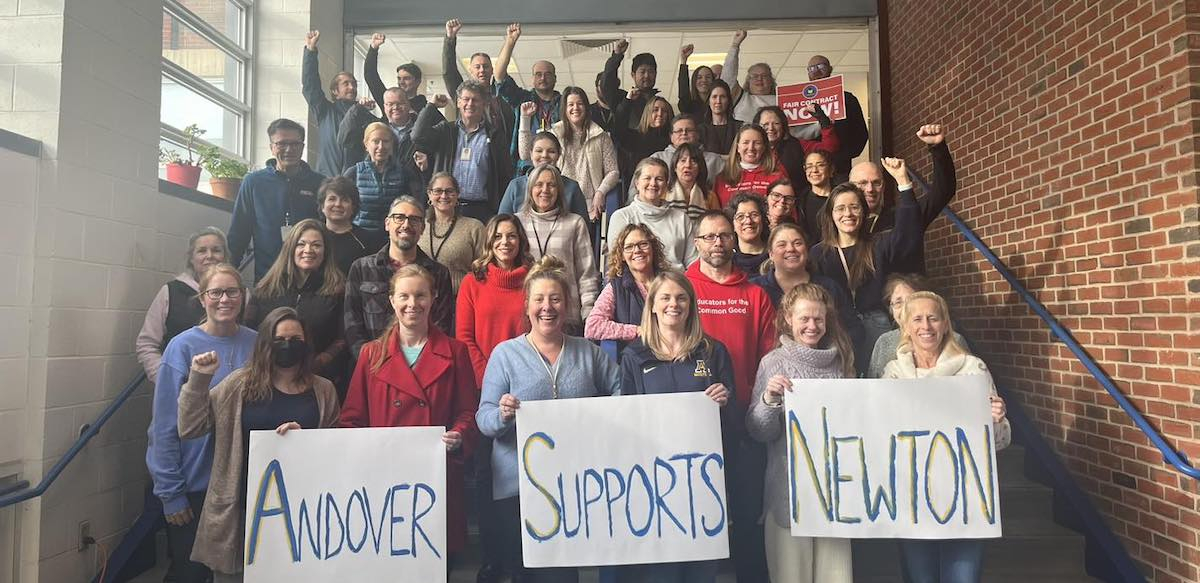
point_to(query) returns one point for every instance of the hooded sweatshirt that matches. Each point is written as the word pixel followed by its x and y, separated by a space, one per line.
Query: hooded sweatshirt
pixel 670 225
pixel 738 314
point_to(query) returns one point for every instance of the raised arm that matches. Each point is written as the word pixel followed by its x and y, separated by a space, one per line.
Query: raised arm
pixel 500 67
pixel 610 84
pixel 907 236
pixel 729 70
pixel 945 180
pixel 686 105
pixel 350 130
pixel 425 135
pixel 310 75
pixel 450 75
pixel 375 85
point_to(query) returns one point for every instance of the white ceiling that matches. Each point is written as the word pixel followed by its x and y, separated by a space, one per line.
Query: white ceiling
pixel 787 47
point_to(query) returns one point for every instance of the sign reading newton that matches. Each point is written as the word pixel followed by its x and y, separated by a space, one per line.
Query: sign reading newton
pixel 621 480
pixel 829 93
pixel 892 458
pixel 346 504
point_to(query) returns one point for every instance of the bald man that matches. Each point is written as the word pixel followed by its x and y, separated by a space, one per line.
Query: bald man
pixel 542 95
pixel 852 131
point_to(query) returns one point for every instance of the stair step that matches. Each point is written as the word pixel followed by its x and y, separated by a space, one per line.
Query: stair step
pixel 1060 555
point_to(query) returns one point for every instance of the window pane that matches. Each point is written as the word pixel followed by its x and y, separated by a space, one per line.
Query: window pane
pixel 185 47
pixel 223 15
pixel 182 107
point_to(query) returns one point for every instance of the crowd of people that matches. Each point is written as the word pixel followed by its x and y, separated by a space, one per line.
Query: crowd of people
pixel 436 272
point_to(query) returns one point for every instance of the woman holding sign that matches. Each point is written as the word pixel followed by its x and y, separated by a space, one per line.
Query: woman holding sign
pixel 416 375
pixel 812 345
pixel 672 354
pixel 544 364
pixel 275 390
pixel 928 348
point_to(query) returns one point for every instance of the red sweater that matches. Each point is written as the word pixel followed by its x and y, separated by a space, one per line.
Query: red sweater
pixel 755 181
pixel 490 312
pixel 740 315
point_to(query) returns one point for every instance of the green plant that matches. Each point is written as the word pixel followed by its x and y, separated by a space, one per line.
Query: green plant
pixel 172 157
pixel 219 165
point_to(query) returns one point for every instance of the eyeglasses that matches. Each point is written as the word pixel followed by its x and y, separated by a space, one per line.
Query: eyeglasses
pixel 442 191
pixel 288 145
pixel 750 216
pixel 816 166
pixel 681 131
pixel 842 209
pixel 820 67
pixel 399 218
pixel 636 246
pixel 863 184
pixel 712 237
pixel 232 293
pixel 780 197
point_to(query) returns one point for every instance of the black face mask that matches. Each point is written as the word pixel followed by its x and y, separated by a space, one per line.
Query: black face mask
pixel 290 352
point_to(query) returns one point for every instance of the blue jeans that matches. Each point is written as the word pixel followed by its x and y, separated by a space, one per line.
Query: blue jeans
pixel 941 561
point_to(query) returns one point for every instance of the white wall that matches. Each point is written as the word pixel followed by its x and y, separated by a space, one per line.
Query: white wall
pixel 87 239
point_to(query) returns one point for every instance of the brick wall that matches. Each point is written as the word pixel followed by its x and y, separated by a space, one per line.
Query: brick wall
pixel 1074 126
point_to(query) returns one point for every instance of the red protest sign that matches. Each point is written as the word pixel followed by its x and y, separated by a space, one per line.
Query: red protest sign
pixel 828 93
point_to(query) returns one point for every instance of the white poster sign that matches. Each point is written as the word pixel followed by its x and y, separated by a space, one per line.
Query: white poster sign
pixel 622 480
pixel 346 505
pixel 872 458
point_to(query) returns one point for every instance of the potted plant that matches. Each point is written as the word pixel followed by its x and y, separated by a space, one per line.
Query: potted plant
pixel 225 173
pixel 180 171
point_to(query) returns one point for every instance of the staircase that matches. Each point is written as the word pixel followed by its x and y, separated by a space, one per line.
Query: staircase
pixel 1034 548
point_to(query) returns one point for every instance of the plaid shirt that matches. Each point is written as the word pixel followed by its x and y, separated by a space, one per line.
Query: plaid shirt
pixel 368 307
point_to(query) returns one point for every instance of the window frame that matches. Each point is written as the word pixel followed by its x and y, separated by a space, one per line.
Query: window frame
pixel 239 49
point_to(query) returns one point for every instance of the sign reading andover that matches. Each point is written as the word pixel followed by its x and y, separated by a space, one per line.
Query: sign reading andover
pixel 871 458
pixel 829 93
pixel 622 480
pixel 346 504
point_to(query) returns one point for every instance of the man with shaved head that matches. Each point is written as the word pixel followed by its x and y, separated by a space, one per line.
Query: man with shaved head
pixel 543 95
pixel 852 131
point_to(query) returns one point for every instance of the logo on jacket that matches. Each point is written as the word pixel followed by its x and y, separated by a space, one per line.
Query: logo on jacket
pixel 701 369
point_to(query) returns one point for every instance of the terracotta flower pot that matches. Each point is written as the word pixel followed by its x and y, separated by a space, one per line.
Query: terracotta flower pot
pixel 226 188
pixel 183 174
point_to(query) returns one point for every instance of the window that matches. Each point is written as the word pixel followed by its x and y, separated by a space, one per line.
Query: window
pixel 206 64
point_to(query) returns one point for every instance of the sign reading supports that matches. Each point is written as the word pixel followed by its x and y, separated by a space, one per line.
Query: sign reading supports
pixel 346 504
pixel 622 480
pixel 892 458
pixel 829 93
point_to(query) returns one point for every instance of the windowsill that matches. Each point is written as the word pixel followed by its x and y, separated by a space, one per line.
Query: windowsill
pixel 193 195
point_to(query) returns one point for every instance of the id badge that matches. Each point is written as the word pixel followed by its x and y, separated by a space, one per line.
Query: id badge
pixel 465 156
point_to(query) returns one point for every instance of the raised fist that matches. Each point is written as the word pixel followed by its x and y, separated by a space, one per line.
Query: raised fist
pixel 206 363
pixel 931 134
pixel 421 160
pixel 452 27
pixel 528 109
pixel 440 101
pixel 367 103
pixel 684 52
pixel 310 39
pixel 514 32
pixel 738 37
pixel 897 168
pixel 377 40
pixel 622 46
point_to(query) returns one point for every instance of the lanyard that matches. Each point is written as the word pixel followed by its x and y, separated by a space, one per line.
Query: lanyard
pixel 435 251
pixel 537 237
pixel 553 372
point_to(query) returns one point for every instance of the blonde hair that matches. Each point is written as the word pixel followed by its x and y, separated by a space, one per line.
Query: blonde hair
pixel 648 114
pixel 694 335
pixel 533 176
pixel 376 127
pixel 410 270
pixel 835 335
pixel 206 279
pixel 950 345
pixel 732 174
pixel 547 267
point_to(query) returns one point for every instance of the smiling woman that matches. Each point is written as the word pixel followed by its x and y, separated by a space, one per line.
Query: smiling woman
pixel 450 237
pixel 669 224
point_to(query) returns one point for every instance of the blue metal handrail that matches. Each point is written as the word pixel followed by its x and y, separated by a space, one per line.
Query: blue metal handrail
pixel 24 493
pixel 1170 455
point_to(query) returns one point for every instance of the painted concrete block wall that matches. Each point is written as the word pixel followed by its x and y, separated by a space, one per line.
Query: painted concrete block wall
pixel 89 239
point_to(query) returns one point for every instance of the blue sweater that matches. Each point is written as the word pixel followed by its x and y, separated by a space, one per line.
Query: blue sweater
pixel 268 200
pixel 514 196
pixel 515 367
pixel 180 466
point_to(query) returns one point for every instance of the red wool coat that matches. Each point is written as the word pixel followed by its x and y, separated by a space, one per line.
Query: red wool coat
pixel 440 390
